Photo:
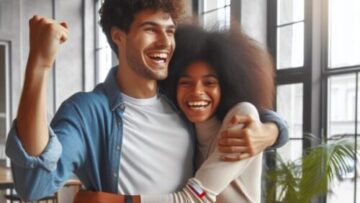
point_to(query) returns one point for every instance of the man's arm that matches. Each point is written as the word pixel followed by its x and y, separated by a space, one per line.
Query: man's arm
pixel 242 142
pixel 45 38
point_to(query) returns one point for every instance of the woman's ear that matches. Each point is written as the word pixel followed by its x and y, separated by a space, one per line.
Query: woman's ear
pixel 117 35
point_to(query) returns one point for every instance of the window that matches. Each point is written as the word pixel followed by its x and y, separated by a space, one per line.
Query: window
pixel 103 50
pixel 344 32
pixel 287 43
pixel 4 109
pixel 316 45
pixel 290 37
pixel 215 13
pixel 343 55
pixel 289 104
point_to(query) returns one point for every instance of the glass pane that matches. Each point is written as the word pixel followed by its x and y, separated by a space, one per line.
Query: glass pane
pixel 211 4
pixel 2 102
pixel 341 104
pixel 290 11
pixel 344 186
pixel 103 53
pixel 290 46
pixel 2 78
pixel 289 104
pixel 292 150
pixel 218 19
pixel 344 33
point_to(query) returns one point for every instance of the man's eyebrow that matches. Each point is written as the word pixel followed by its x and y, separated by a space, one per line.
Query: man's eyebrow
pixel 151 23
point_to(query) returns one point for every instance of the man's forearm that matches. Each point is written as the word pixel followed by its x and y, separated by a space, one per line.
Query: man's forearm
pixel 271 118
pixel 272 133
pixel 31 119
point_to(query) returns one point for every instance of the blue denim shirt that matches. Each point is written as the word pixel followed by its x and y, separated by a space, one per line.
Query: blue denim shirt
pixel 85 139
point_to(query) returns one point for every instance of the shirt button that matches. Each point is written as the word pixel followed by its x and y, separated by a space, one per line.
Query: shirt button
pixel 118 147
pixel 115 175
pixel 122 107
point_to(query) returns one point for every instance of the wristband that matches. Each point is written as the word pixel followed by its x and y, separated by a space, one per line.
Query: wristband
pixel 196 189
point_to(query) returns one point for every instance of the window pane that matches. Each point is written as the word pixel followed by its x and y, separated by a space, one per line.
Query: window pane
pixel 341 104
pixel 211 4
pixel 219 18
pixel 341 120
pixel 290 46
pixel 289 104
pixel 2 101
pixel 104 55
pixel 2 78
pixel 343 187
pixel 103 51
pixel 290 11
pixel 292 150
pixel 344 33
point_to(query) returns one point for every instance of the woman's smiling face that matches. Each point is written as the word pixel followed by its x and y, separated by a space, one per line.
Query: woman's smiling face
pixel 198 92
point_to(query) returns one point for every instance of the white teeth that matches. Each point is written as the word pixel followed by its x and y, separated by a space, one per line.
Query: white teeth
pixel 159 56
pixel 198 104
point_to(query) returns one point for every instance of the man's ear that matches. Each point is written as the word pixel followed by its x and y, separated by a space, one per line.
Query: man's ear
pixel 117 35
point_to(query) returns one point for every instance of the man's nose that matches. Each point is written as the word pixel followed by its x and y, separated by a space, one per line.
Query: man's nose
pixel 164 40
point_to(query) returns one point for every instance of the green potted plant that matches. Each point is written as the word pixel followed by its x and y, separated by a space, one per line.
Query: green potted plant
pixel 312 174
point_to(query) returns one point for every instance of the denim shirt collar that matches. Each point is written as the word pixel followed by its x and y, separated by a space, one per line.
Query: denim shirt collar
pixel 115 97
pixel 112 90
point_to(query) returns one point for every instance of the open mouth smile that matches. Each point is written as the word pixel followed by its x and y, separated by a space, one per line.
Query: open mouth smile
pixel 198 105
pixel 159 58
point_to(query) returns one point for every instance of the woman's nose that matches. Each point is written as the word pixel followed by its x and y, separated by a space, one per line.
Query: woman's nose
pixel 199 87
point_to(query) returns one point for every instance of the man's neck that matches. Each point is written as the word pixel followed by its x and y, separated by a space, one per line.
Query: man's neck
pixel 134 85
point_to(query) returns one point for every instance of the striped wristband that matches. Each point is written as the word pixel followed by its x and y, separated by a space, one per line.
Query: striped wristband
pixel 196 189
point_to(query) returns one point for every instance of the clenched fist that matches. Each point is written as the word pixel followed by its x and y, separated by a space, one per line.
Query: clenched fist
pixel 46 35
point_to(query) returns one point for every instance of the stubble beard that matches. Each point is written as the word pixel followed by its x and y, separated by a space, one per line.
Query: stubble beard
pixel 137 64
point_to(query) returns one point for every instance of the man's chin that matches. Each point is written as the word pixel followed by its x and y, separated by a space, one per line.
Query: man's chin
pixel 160 76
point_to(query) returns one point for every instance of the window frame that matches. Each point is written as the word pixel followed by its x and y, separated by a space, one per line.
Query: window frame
pixel 8 94
pixel 315 73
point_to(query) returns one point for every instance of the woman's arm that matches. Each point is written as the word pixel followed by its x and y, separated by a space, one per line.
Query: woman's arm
pixel 214 175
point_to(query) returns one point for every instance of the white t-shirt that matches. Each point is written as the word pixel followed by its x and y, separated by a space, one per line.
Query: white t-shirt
pixel 157 150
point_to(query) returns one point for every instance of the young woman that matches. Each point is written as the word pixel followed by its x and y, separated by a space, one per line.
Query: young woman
pixel 214 76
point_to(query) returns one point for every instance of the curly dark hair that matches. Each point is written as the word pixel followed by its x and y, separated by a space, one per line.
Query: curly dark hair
pixel 244 69
pixel 121 13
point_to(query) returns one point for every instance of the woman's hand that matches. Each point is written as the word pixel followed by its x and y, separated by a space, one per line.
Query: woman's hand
pixel 246 137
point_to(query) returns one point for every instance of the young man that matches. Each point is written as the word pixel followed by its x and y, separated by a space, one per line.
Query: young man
pixel 124 136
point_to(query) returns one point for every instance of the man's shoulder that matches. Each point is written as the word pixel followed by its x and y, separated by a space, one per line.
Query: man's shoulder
pixel 94 98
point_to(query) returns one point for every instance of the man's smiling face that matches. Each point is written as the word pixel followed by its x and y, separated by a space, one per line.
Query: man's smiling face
pixel 150 44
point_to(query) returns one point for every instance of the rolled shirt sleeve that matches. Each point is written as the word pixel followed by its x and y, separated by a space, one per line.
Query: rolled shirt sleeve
pixel 17 154
pixel 39 176
pixel 273 117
